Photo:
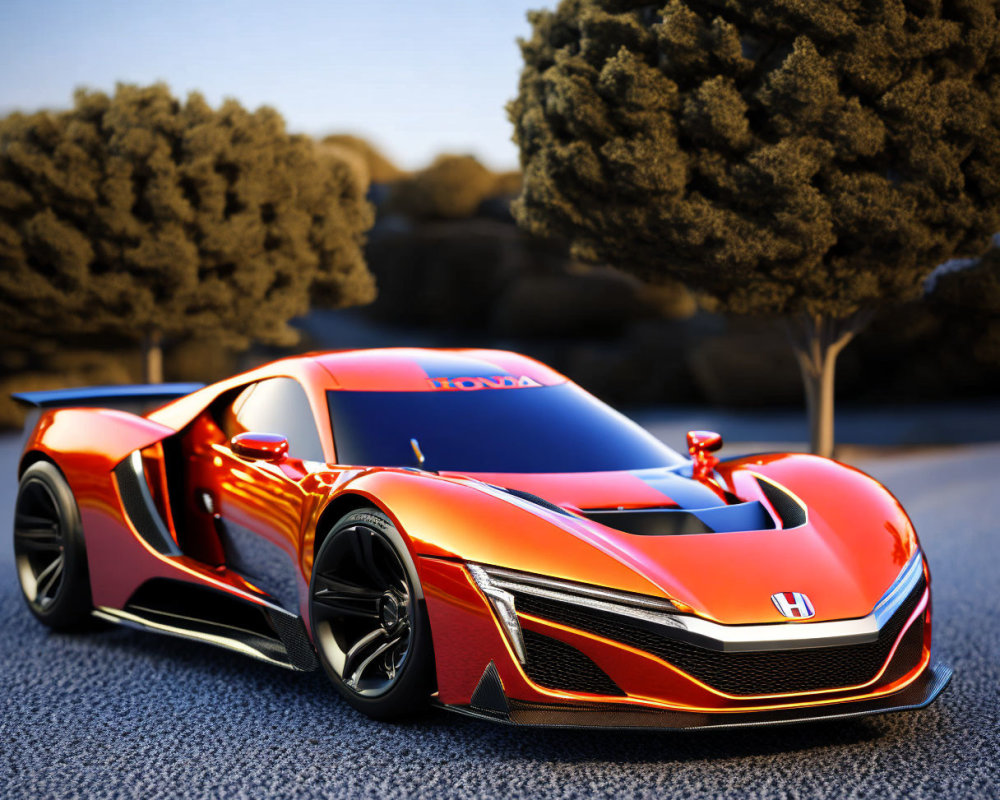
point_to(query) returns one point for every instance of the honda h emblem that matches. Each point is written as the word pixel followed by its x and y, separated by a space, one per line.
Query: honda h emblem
pixel 793 604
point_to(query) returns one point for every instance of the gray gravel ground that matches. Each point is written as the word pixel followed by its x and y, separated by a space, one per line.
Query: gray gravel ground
pixel 125 714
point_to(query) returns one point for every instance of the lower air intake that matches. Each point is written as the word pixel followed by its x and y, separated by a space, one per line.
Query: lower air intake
pixel 557 665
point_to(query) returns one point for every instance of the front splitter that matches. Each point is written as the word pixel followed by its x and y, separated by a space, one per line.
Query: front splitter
pixel 918 694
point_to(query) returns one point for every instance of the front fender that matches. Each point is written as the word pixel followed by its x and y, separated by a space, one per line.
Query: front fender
pixel 453 519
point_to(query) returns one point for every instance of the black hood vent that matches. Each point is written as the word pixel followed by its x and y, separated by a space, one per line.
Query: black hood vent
pixel 750 516
pixel 791 514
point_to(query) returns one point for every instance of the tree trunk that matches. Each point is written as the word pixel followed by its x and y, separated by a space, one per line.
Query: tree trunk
pixel 152 351
pixel 817 342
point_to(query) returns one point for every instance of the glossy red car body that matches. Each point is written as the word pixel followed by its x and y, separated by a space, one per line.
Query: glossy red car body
pixel 727 655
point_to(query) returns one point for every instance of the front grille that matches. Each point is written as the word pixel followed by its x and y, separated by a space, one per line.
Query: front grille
pixel 739 673
pixel 557 665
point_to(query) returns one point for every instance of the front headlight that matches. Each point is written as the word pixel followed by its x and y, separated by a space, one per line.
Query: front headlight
pixel 500 586
pixel 503 604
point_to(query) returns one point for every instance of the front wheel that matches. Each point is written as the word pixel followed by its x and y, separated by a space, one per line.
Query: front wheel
pixel 368 619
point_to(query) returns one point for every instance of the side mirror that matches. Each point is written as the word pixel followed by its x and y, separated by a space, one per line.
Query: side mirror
pixel 701 445
pixel 260 446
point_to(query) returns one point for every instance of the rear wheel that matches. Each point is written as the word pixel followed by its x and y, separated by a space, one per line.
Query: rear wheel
pixel 368 618
pixel 49 550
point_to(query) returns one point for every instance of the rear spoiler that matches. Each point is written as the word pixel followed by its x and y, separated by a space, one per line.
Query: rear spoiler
pixel 107 396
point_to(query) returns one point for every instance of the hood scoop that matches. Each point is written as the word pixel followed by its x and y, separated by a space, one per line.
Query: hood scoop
pixel 789 509
pixel 750 516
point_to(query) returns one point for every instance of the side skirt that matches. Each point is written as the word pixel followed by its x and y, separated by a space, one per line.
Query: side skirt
pixel 266 633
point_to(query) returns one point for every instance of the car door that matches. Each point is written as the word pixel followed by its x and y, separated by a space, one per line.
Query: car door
pixel 259 503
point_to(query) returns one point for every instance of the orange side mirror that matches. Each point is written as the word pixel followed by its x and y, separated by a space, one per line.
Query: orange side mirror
pixel 701 445
pixel 260 446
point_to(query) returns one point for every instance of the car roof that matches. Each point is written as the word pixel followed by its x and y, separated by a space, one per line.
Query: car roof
pixel 417 369
pixel 392 369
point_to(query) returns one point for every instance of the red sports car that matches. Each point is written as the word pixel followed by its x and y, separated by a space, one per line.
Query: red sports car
pixel 469 529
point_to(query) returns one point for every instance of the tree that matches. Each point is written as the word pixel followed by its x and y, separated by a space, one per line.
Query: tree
pixel 810 160
pixel 452 187
pixel 148 218
pixel 377 165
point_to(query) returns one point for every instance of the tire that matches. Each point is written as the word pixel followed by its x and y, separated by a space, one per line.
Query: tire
pixel 49 550
pixel 368 618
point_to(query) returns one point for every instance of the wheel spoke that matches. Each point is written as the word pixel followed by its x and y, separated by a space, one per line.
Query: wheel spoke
pixel 31 545
pixel 38 543
pixel 47 577
pixel 339 598
pixel 358 673
pixel 36 534
pixel 364 551
pixel 31 522
pixel 361 650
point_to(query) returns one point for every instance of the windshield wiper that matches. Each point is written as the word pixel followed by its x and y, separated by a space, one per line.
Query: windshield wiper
pixel 417 452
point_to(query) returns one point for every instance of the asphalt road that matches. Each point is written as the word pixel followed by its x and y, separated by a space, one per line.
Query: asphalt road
pixel 126 714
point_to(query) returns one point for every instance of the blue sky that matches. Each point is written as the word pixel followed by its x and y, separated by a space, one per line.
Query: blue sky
pixel 417 78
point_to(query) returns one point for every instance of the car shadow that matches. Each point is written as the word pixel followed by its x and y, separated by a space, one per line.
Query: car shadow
pixel 637 746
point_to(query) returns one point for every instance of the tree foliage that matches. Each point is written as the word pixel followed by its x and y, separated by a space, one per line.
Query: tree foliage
pixel 378 167
pixel 143 216
pixel 777 155
pixel 452 187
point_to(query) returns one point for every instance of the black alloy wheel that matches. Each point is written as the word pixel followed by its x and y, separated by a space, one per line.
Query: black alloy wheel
pixel 368 619
pixel 49 549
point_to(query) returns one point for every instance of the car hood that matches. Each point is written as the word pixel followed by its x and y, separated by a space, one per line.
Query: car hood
pixel 853 543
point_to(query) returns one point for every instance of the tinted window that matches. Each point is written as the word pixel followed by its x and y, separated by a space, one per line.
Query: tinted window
pixel 544 429
pixel 280 405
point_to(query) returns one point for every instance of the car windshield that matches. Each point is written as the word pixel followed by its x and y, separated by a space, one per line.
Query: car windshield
pixel 558 428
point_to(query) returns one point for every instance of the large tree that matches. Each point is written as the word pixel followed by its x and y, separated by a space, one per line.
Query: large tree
pixel 813 160
pixel 377 165
pixel 452 187
pixel 150 218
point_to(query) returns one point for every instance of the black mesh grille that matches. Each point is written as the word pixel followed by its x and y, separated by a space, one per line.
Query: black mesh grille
pixel 791 513
pixel 292 632
pixel 768 672
pixel 557 665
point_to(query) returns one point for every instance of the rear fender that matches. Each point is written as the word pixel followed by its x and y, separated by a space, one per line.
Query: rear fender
pixel 82 439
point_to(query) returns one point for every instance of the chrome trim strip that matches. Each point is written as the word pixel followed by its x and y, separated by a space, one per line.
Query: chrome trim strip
pixel 141 623
pixel 714 635
pixel 899 590
pixel 521 579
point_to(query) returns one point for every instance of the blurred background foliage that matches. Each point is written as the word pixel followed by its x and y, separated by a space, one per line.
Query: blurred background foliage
pixel 451 267
pixel 139 217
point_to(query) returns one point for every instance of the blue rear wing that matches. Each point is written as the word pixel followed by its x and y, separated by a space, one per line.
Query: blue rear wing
pixel 107 396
